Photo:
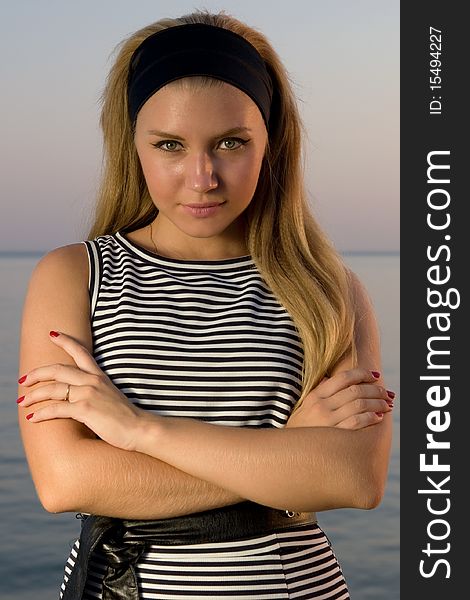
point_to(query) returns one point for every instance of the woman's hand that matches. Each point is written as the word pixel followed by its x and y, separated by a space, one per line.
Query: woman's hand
pixel 349 399
pixel 92 397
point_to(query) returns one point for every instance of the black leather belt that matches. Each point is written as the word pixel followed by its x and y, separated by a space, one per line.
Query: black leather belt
pixel 124 541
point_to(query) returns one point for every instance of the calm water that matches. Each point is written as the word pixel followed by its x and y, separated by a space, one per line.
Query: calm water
pixel 34 544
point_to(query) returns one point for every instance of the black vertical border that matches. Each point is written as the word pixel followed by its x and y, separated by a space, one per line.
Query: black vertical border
pixel 422 133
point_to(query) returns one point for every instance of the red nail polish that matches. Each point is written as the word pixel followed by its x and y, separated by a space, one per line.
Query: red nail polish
pixel 29 416
pixel 54 333
pixel 376 374
pixel 22 379
pixel 20 399
pixel 380 415
pixel 390 394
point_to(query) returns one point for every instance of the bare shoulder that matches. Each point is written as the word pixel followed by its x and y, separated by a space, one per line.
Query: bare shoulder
pixel 60 278
pixel 367 334
pixel 57 298
pixel 69 261
pixel 360 296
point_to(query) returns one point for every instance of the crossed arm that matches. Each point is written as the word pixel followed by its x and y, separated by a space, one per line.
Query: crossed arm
pixel 179 466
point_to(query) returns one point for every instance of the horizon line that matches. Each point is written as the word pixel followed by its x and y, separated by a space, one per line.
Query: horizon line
pixel 43 252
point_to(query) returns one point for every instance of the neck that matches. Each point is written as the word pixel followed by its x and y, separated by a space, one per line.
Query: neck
pixel 164 243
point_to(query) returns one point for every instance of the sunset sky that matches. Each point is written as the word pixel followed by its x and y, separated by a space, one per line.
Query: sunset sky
pixel 343 60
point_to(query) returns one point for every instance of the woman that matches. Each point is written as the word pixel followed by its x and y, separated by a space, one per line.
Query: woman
pixel 211 378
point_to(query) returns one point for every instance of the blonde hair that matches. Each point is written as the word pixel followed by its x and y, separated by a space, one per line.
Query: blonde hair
pixel 293 255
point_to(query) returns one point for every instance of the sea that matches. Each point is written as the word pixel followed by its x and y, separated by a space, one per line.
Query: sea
pixel 34 544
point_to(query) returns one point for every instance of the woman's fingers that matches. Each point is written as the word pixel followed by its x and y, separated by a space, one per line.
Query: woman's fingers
pixel 85 364
pixel 106 412
pixel 52 391
pixel 361 406
pixel 358 391
pixel 59 410
pixel 83 359
pixel 350 399
pixel 359 421
pixel 344 379
pixel 57 372
pixel 84 393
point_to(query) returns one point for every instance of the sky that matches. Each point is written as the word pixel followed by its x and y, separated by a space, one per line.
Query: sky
pixel 342 57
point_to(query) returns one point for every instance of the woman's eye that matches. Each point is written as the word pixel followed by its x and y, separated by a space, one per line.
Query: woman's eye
pixel 225 144
pixel 167 145
pixel 232 143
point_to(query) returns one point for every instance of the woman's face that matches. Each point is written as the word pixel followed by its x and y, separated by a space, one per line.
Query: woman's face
pixel 197 147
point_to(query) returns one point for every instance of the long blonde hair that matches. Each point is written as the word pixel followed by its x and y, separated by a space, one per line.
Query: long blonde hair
pixel 291 252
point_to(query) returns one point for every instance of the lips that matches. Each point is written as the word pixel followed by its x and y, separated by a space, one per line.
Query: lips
pixel 202 209
pixel 205 205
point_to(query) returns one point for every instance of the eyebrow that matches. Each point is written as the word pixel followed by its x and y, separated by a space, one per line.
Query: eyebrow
pixel 165 134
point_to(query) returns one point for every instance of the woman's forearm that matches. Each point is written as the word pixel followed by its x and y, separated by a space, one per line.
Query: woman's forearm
pixel 101 479
pixel 310 468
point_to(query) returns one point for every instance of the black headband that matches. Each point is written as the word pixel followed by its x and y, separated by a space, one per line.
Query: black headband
pixel 197 49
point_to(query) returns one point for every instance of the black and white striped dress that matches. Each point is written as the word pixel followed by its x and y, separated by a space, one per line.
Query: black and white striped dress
pixel 207 340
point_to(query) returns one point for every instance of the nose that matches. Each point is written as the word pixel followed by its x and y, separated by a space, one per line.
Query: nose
pixel 200 173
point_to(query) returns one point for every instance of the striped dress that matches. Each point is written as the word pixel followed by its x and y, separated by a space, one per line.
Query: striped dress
pixel 207 340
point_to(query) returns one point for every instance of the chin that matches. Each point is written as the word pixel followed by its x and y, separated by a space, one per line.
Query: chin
pixel 207 226
pixel 204 232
